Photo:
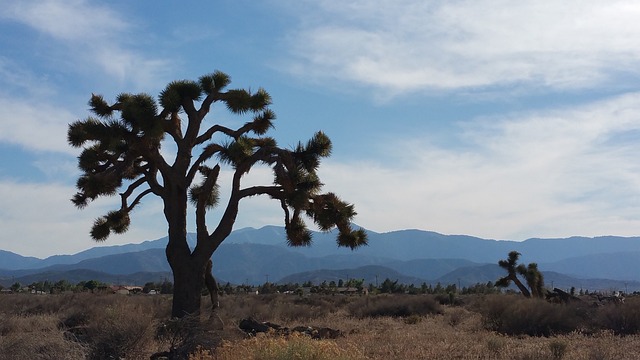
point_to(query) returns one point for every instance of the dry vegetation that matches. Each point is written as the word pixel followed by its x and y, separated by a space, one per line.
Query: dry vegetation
pixel 79 326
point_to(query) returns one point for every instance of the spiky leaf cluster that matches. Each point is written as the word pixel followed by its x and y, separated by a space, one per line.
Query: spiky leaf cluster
pixel 240 101
pixel 238 150
pixel 209 193
pixel 262 122
pixel 116 221
pixel 113 151
pixel 176 92
pixel 296 175
pixel 214 83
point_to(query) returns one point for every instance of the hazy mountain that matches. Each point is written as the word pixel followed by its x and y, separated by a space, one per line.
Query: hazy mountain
pixel 371 274
pixel 619 265
pixel 471 275
pixel 428 268
pixel 251 255
pixel 10 261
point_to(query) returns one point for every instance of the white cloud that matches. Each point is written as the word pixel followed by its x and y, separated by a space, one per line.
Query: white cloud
pixel 39 220
pixel 550 173
pixel 546 174
pixel 91 34
pixel 41 128
pixel 400 46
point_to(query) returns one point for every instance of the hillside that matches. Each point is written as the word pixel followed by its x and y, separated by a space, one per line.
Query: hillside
pixel 251 255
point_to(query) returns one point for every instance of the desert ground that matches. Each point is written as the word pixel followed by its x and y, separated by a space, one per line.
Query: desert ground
pixel 504 326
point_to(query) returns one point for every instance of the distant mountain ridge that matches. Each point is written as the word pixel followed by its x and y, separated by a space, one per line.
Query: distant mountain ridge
pixel 249 255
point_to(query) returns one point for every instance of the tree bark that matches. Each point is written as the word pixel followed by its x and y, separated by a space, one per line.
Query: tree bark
pixel 520 285
pixel 187 289
pixel 188 270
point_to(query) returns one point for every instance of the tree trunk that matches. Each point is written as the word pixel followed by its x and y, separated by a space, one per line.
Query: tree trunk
pixel 188 271
pixel 520 285
pixel 188 278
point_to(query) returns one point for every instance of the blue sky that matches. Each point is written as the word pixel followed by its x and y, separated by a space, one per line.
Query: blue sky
pixel 498 119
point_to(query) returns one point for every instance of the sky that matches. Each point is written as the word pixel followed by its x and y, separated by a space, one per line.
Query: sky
pixel 499 119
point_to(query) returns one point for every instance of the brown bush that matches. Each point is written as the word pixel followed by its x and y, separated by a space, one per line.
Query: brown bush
pixel 394 306
pixel 515 315
pixel 278 307
pixel 36 337
pixel 622 319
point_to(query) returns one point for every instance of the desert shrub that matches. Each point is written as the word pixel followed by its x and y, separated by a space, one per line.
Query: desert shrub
pixel 394 305
pixel 276 307
pixel 495 345
pixel 413 319
pixel 187 335
pixel 456 317
pixel 294 347
pixel 36 337
pixel 109 326
pixel 622 319
pixel 329 303
pixel 520 316
pixel 558 349
pixel 448 299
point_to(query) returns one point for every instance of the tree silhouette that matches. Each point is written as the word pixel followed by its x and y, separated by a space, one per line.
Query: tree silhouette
pixel 534 279
pixel 510 264
pixel 121 154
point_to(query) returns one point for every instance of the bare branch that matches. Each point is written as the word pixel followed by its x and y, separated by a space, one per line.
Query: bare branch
pixel 225 130
pixel 136 201
pixel 275 192
pixel 150 177
pixel 125 195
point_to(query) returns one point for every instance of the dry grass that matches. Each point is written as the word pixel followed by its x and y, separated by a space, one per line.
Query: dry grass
pixel 135 327
pixel 274 347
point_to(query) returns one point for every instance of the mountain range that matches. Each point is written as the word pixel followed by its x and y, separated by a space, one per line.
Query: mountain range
pixel 253 256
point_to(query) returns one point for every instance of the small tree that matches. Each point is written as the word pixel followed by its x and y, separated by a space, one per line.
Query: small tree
pixel 511 265
pixel 91 285
pixel 533 277
pixel 121 154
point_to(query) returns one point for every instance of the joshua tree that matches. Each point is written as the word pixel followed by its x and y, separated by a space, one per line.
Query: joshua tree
pixel 121 154
pixel 534 279
pixel 512 273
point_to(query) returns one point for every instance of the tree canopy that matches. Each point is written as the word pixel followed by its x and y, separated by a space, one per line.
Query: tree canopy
pixel 123 154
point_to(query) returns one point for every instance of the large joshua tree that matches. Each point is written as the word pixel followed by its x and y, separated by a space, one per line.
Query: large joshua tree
pixel 121 155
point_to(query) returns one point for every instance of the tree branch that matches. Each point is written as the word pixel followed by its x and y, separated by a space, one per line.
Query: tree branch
pixel 150 177
pixel 276 192
pixel 132 187
pixel 225 130
pixel 201 206
pixel 206 154
pixel 136 201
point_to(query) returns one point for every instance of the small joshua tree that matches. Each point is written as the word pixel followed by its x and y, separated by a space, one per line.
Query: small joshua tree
pixel 531 274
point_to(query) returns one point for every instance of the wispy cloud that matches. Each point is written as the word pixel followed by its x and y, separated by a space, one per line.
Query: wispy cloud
pixel 544 174
pixel 417 45
pixel 35 215
pixel 40 128
pixel 90 42
pixel 91 34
